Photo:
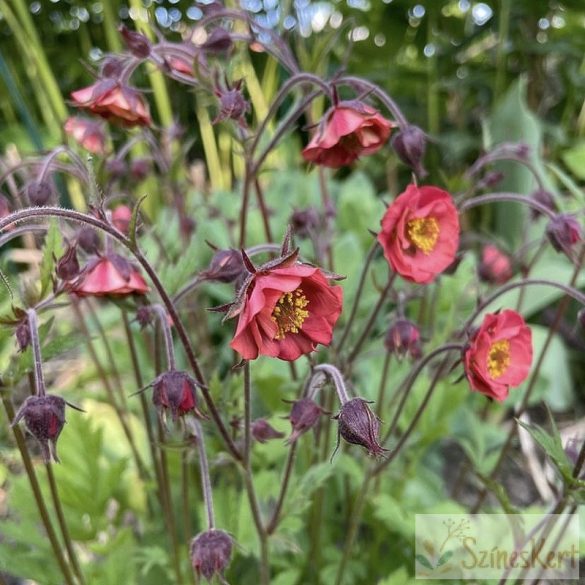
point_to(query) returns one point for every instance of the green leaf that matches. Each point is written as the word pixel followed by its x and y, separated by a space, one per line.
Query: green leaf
pixel 134 221
pixel 444 558
pixel 424 562
pixel 52 248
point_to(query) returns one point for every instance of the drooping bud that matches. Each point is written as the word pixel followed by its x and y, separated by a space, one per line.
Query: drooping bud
pixel 68 266
pixel 495 266
pixel 232 104
pixel 544 197
pixel 403 337
pixel 44 417
pixel 116 168
pixel 175 391
pixel 263 431
pixel 121 217
pixel 490 180
pixel 410 145
pixel 137 43
pixel 139 168
pixel 305 221
pixel 219 41
pixel 225 266
pixel 358 425
pixel 111 66
pixel 88 240
pixel 303 416
pixel 22 334
pixel 39 193
pixel 211 553
pixel 145 316
pixel 564 231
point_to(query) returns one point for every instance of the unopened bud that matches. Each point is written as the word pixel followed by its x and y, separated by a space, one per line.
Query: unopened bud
pixel 211 553
pixel 545 198
pixel 121 217
pixel 303 416
pixel 116 168
pixel 22 334
pixel 495 266
pixel 39 193
pixel 225 266
pixel 111 67
pixel 88 240
pixel 305 221
pixel 263 431
pixel 403 337
pixel 175 391
pixel 410 145
pixel 139 168
pixel 564 231
pixel 359 425
pixel 232 104
pixel 68 265
pixel 219 41
pixel 137 43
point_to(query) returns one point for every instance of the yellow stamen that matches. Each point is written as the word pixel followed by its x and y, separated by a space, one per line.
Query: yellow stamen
pixel 423 232
pixel 289 313
pixel 498 359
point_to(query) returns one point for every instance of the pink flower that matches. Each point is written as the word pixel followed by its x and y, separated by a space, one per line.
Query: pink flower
pixel 109 275
pixel 87 133
pixel 499 355
pixel 349 130
pixel 111 100
pixel 121 217
pixel 420 233
pixel 495 266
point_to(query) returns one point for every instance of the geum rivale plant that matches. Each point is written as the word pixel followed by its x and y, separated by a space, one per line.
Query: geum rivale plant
pixel 287 301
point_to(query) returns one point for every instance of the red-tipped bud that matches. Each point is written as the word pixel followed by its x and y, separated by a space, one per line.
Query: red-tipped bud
pixel 139 169
pixel 121 217
pixel 225 266
pixel 137 43
pixel 39 193
pixel 232 104
pixel 410 145
pixel 495 266
pixel 44 417
pixel 88 240
pixel 545 198
pixel 211 553
pixel 305 222
pixel 403 337
pixel 303 416
pixel 68 265
pixel 263 431
pixel 358 425
pixel 564 231
pixel 175 391
pixel 111 66
pixel 22 334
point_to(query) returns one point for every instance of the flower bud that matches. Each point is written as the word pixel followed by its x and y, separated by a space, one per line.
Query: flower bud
pixel 211 553
pixel 490 180
pixel 145 316
pixel 359 425
pixel 111 66
pixel 545 198
pixel 410 145
pixel 68 266
pixel 403 337
pixel 22 334
pixel 39 193
pixel 139 169
pixel 88 240
pixel 305 221
pixel 175 391
pixel 121 217
pixel 564 231
pixel 225 266
pixel 219 41
pixel 232 104
pixel 304 414
pixel 263 431
pixel 495 266
pixel 137 43
pixel 116 168
pixel 44 417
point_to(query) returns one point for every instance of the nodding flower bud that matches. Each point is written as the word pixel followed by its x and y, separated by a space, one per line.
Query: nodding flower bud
pixel 137 43
pixel 564 231
pixel 22 334
pixel 68 266
pixel 211 553
pixel 219 41
pixel 111 66
pixel 88 240
pixel 263 431
pixel 39 193
pixel 304 415
pixel 175 391
pixel 305 221
pixel 403 337
pixel 232 104
pixel 44 417
pixel 358 425
pixel 139 168
pixel 116 168
pixel 410 145
pixel 545 198
pixel 225 266
pixel 145 316
pixel 495 266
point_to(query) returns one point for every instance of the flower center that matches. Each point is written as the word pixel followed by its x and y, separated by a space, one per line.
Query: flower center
pixel 289 314
pixel 498 359
pixel 423 232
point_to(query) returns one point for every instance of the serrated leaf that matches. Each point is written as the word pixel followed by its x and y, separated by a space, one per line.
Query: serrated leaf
pixel 134 220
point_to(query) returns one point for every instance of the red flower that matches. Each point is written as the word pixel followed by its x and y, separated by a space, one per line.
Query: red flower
pixel 495 266
pixel 113 101
pixel 87 133
pixel 350 130
pixel 499 355
pixel 110 275
pixel 420 233
pixel 285 309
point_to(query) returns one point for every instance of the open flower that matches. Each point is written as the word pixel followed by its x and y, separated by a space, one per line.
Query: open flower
pixel 420 233
pixel 499 354
pixel 87 133
pixel 348 131
pixel 110 274
pixel 113 101
pixel 285 309
pixel 495 266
